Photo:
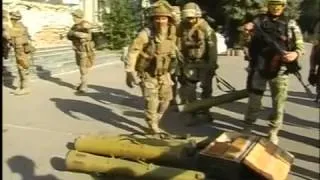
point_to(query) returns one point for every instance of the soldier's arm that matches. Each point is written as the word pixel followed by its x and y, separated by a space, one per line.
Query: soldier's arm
pixel 298 37
pixel 77 34
pixel 135 49
pixel 313 60
pixel 211 39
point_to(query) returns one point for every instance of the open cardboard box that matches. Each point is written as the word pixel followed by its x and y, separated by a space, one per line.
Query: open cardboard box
pixel 240 156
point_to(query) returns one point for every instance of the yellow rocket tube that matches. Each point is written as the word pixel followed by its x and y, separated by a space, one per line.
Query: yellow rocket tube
pixel 85 162
pixel 129 148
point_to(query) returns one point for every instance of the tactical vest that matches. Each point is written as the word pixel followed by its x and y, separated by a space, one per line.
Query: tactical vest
pixel 265 57
pixel 194 43
pixel 82 45
pixel 157 56
pixel 20 38
pixel 19 34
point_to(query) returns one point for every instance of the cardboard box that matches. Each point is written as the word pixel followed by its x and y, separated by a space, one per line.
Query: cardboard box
pixel 235 156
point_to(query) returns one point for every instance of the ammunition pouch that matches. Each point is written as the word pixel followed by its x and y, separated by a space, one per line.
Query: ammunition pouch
pixel 28 48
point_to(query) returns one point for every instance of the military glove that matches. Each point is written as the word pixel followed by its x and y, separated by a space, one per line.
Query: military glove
pixel 81 35
pixel 312 79
pixel 131 79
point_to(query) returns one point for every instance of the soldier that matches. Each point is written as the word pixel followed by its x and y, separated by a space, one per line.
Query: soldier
pixel 267 65
pixel 314 72
pixel 198 45
pixel 81 37
pixel 6 39
pixel 151 56
pixel 176 14
pixel 20 41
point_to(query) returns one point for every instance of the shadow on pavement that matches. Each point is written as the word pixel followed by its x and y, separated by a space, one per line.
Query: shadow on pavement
pixel 302 99
pixel 305 157
pixel 26 168
pixel 46 75
pixel 97 112
pixel 7 78
pixel 304 173
pixel 58 163
pixel 115 96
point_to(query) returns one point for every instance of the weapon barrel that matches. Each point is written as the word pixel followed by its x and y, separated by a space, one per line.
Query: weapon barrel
pixel 213 101
pixel 134 149
pixel 85 162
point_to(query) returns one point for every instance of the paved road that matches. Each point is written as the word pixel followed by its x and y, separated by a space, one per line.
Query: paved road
pixel 38 127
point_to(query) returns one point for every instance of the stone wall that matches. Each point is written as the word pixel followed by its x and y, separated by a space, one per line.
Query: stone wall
pixel 47 23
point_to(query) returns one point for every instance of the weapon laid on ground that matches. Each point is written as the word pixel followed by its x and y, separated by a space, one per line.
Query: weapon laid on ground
pixel 213 101
pixel 138 148
pixel 80 161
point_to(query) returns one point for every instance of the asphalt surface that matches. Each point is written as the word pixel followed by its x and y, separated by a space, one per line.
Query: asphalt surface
pixel 38 128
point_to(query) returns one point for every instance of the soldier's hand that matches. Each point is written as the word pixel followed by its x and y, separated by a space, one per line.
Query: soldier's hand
pixel 312 79
pixel 81 35
pixel 130 79
pixel 290 56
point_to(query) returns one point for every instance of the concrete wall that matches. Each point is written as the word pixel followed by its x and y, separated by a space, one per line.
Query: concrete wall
pixel 48 23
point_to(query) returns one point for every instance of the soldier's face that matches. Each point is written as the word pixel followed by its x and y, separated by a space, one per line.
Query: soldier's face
pixel 191 20
pixel 160 21
pixel 276 9
pixel 76 19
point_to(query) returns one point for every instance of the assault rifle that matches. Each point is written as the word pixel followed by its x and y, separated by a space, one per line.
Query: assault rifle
pixel 275 64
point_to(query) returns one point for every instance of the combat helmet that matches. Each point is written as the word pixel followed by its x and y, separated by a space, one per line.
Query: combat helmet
pixel 78 13
pixel 16 15
pixel 283 2
pixel 191 10
pixel 161 9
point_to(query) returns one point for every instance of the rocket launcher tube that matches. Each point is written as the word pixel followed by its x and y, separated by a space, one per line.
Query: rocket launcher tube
pixel 131 148
pixel 85 162
pixel 213 101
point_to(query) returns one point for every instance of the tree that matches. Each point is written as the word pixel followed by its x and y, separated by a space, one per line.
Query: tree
pixel 121 23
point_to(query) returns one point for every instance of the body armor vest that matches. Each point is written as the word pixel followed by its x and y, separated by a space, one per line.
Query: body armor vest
pixel 194 43
pixel 19 35
pixel 82 45
pixel 157 56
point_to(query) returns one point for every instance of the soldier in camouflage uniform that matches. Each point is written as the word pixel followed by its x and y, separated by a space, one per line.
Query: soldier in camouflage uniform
pixel 176 15
pixel 198 44
pixel 287 32
pixel 6 39
pixel 151 57
pixel 81 37
pixel 20 41
pixel 314 72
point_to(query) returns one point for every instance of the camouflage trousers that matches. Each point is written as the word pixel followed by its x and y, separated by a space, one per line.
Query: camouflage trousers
pixel 84 61
pixel 279 92
pixel 157 93
pixel 189 80
pixel 23 65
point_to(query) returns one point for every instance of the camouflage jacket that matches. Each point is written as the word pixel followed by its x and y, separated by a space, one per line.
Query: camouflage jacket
pixel 80 34
pixel 198 43
pixel 19 35
pixel 151 52
pixel 285 30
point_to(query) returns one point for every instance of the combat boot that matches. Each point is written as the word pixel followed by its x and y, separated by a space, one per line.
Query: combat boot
pixel 24 88
pixel 155 128
pixel 273 135
pixel 82 88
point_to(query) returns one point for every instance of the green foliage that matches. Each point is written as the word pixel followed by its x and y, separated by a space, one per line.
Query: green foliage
pixel 310 14
pixel 242 9
pixel 120 24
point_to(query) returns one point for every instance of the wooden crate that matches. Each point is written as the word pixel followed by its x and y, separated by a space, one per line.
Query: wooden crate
pixel 235 156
